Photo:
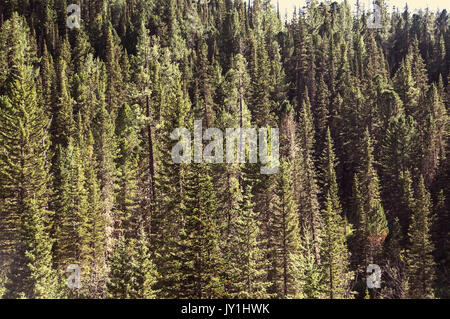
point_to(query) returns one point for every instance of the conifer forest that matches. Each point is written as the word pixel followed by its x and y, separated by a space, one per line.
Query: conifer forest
pixel 93 206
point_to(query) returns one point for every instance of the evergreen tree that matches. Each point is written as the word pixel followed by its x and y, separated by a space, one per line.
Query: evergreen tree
pixel 310 275
pixel 95 226
pixel 284 262
pixel 334 254
pixel 143 270
pixel 144 62
pixel 24 172
pixel 375 222
pixel 399 153
pixel 396 284
pixel 420 263
pixel 121 273
pixel 166 219
pixel 88 119
pixel 405 86
pixel 307 196
pixel 31 274
pixel 434 135
pixel 106 150
pixel 327 175
pixel 71 212
pixel 127 201
pixel 200 255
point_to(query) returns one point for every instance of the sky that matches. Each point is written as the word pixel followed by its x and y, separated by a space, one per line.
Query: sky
pixel 412 4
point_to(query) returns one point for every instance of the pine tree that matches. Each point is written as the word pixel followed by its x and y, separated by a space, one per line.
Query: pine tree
pixel 48 77
pixel 31 274
pixel 114 72
pixel 310 275
pixel 375 218
pixel 245 258
pixel 420 263
pixel 127 201
pixel 144 62
pixel 236 96
pixel 71 211
pixel 24 172
pixel 166 218
pixel 334 254
pixel 405 86
pixel 307 196
pixel 322 113
pixel 395 283
pixel 63 124
pixel 286 245
pixel 327 175
pixel 399 153
pixel 200 255
pixel 106 151
pixel 203 96
pixel 441 238
pixel 259 103
pixel 434 135
pixel 121 273
pixel 143 270
pixel 95 226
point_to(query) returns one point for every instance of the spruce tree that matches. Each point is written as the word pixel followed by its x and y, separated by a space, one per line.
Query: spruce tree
pixel 399 153
pixel 420 263
pixel 95 226
pixel 434 135
pixel 310 274
pixel 166 218
pixel 375 218
pixel 106 151
pixel 143 270
pixel 327 175
pixel 334 254
pixel 24 159
pixel 405 86
pixel 307 189
pixel 31 274
pixel 127 161
pixel 71 210
pixel 245 259
pixel 286 245
pixel 121 273
pixel 200 255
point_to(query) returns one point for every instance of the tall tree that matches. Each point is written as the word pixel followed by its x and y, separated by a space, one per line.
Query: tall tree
pixel 24 172
pixel 334 254
pixel 286 246
pixel 200 255
pixel 143 270
pixel 420 263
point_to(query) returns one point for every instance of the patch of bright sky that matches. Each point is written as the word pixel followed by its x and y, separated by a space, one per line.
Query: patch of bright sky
pixel 412 4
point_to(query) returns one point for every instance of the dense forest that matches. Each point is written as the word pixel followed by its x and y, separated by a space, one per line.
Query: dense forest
pixel 87 177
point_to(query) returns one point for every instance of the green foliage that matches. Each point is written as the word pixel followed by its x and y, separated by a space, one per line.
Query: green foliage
pixel 121 273
pixel 201 261
pixel 420 263
pixel 245 265
pixel 86 169
pixel 31 274
pixel 144 275
pixel 334 254
pixel 24 174
pixel 286 246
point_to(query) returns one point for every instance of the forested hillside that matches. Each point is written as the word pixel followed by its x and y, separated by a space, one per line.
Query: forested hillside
pixel 87 177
